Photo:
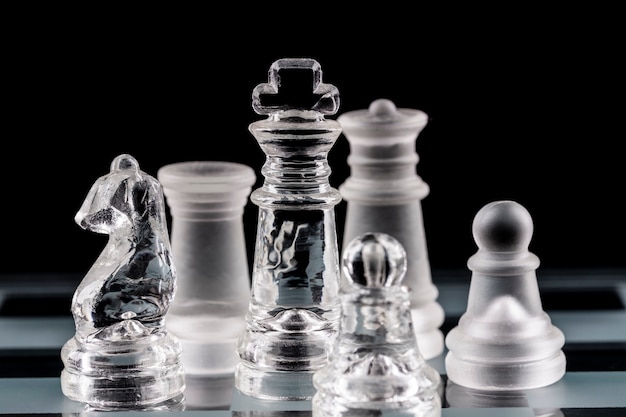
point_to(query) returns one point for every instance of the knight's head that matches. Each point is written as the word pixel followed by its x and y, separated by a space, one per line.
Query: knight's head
pixel 117 198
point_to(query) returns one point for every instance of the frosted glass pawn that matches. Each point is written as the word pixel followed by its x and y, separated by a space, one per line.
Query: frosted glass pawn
pixel 458 396
pixel 504 341
pixel 122 357
pixel 384 194
pixel 376 364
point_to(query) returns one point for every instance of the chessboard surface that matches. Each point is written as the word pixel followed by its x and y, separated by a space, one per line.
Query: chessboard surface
pixel 588 306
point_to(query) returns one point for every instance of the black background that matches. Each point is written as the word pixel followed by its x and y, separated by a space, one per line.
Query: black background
pixel 527 107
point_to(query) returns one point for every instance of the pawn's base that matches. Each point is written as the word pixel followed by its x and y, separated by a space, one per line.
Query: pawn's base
pixel 274 385
pixel 324 405
pixel 138 374
pixel 505 377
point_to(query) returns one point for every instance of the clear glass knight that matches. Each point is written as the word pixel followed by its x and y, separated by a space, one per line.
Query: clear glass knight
pixel 294 305
pixel 121 356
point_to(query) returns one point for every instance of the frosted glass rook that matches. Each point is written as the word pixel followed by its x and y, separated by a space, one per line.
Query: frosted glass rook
pixel 206 201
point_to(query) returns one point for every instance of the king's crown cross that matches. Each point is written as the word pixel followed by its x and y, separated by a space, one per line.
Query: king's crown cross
pixel 295 84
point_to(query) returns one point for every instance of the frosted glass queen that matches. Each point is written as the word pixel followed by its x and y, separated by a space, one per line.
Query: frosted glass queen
pixel 294 305
pixel 384 193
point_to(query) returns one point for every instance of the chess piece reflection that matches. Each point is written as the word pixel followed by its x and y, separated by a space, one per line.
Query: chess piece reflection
pixel 294 305
pixel 383 194
pixel 504 341
pixel 458 396
pixel 376 363
pixel 277 413
pixel 121 356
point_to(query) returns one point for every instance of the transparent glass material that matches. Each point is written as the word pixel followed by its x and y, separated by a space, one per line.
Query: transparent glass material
pixel 383 194
pixel 294 306
pixel 121 356
pixel 376 363
pixel 206 201
pixel 504 341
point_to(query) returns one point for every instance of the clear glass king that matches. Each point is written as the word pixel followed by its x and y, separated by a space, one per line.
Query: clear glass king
pixel 294 306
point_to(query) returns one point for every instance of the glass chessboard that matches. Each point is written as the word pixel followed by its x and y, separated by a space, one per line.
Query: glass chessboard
pixel 588 306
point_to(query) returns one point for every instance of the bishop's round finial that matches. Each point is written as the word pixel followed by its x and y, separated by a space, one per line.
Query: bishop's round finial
pixel 374 260
pixel 503 226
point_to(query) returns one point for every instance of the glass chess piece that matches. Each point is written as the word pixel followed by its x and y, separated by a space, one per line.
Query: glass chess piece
pixel 121 356
pixel 504 340
pixel 207 201
pixel 294 306
pixel 383 194
pixel 458 396
pixel 375 363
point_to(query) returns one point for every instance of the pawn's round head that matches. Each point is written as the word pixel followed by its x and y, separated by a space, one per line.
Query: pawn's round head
pixel 503 226
pixel 382 108
pixel 374 260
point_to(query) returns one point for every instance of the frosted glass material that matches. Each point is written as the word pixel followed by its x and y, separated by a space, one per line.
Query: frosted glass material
pixel 294 305
pixel 504 341
pixel 384 193
pixel 376 363
pixel 121 356
pixel 206 201
pixel 458 396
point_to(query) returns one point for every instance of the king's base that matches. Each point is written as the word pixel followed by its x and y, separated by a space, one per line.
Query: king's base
pixel 274 385
pixel 143 374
